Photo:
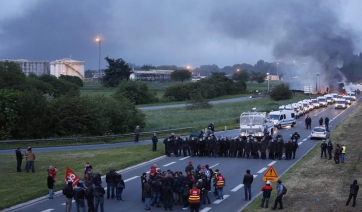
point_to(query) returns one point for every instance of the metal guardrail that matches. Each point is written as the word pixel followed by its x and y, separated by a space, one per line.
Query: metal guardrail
pixel 94 137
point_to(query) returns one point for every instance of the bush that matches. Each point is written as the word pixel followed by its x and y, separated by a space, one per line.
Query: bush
pixel 72 79
pixel 135 91
pixel 178 92
pixel 281 92
pixel 197 101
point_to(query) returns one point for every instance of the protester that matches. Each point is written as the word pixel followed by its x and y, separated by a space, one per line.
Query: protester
pixel 19 159
pixel 111 178
pixel 99 196
pixel 120 186
pixel 247 181
pixel 266 189
pixel 147 194
pixel 30 158
pixel 50 184
pixel 68 193
pixel 79 195
pixel 279 198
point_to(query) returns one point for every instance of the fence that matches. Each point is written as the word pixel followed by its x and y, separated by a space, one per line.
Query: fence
pixel 95 137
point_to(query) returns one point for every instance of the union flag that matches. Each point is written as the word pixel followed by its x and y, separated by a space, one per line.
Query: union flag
pixel 71 176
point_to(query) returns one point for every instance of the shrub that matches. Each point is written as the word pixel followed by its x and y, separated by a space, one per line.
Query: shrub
pixel 281 92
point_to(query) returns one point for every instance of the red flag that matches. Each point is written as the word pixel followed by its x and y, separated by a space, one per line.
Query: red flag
pixel 71 176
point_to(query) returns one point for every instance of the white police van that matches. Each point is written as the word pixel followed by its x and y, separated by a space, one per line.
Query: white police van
pixel 282 118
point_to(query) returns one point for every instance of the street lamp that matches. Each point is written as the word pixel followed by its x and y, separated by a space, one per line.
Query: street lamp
pixel 316 83
pixel 267 74
pixel 237 70
pixel 98 40
pixel 278 70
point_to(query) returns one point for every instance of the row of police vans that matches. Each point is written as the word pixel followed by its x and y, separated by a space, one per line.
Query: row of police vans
pixel 287 114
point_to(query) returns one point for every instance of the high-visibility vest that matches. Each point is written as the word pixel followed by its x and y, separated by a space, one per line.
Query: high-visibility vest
pixel 194 195
pixel 344 149
pixel 220 181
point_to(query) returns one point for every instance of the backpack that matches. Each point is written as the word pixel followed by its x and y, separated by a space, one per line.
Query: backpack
pixel 89 191
pixel 284 192
pixel 66 191
pixel 96 192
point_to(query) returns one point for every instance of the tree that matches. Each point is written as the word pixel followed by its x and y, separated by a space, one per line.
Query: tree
pixel 257 76
pixel 72 79
pixel 136 92
pixel 89 73
pixel 11 75
pixel 180 75
pixel 116 71
pixel 167 67
pixel 281 92
pixel 148 67
pixel 197 101
pixel 241 75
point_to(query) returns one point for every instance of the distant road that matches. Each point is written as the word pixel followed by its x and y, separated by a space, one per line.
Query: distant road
pixel 240 99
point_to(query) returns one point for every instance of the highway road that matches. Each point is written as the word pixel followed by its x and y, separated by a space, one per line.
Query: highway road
pixel 232 168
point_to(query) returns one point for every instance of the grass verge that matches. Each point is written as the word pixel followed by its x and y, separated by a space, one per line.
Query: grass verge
pixel 17 187
pixel 316 184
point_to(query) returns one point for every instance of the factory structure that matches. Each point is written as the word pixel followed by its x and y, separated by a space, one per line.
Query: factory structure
pixel 66 66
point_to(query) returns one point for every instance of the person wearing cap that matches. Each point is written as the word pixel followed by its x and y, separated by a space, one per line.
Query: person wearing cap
pixel 247 181
pixel 266 189
pixel 279 198
pixel 30 158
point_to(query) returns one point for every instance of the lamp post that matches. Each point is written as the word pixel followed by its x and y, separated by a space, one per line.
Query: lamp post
pixel 98 40
pixel 316 83
pixel 278 70
pixel 267 74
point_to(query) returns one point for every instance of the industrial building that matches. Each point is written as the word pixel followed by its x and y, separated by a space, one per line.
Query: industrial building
pixel 64 66
pixel 151 75
pixel 36 67
pixel 68 67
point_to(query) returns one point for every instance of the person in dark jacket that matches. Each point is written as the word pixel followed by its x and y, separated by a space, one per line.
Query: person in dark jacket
pixel 353 191
pixel 247 181
pixel 120 186
pixel 79 195
pixel 99 196
pixel 98 177
pixel 89 196
pixel 266 189
pixel 156 188
pixel 308 122
pixel 50 184
pixel 329 148
pixel 326 123
pixel 166 192
pixel 69 197
pixel 147 194
pixel 320 121
pixel 111 178
pixel 19 159
pixel 324 149
pixel 143 182
pixel 295 146
pixel 154 142
pixel 206 188
pixel 288 150
pixel 177 188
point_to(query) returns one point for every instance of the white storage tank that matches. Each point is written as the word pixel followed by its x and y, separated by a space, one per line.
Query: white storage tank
pixel 67 66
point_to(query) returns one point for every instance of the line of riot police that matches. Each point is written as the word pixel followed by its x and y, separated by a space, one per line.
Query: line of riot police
pixel 208 145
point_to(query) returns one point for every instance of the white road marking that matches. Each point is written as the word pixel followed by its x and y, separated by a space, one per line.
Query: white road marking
pixel 262 170
pixel 206 209
pixel 237 187
pixel 305 139
pixel 48 210
pixel 272 163
pixel 184 158
pixel 169 164
pixel 132 178
pixel 220 200
pixel 300 143
pixel 214 165
pixel 255 176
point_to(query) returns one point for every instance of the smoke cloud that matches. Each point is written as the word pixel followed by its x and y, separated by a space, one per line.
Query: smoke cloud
pixel 309 32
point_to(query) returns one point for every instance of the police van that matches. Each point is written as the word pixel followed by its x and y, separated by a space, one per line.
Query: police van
pixel 282 118
pixel 322 101
pixel 329 99
pixel 340 103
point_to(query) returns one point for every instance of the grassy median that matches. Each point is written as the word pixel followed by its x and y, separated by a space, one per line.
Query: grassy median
pixel 316 184
pixel 17 187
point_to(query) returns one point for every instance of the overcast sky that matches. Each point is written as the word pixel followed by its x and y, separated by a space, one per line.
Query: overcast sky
pixel 177 32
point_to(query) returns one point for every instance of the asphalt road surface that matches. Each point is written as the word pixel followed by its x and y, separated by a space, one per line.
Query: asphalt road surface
pixel 232 168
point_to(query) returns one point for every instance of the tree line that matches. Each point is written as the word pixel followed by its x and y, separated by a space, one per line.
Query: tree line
pixel 45 106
